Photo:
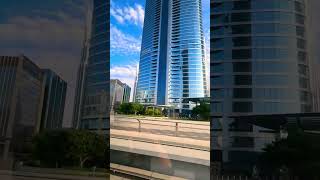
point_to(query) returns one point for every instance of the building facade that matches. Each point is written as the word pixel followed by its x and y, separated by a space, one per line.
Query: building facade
pixel 54 90
pixel 119 93
pixel 172 59
pixel 126 93
pixel 20 92
pixel 94 73
pixel 259 65
pixel 314 54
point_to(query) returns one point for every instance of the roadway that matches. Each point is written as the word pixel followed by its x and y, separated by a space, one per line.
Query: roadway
pixel 182 145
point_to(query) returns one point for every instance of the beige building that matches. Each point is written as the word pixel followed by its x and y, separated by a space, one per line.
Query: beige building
pixel 20 92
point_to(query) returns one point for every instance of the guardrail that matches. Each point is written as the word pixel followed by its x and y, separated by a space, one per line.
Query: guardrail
pixel 174 124
pixel 167 143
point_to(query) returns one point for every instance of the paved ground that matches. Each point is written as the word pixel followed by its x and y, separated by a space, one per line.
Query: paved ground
pixel 168 127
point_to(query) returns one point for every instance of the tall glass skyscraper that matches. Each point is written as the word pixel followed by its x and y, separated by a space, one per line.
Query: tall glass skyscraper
pixel 172 59
pixel 93 77
pixel 259 65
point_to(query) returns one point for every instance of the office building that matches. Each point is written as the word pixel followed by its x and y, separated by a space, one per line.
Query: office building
pixel 54 90
pixel 20 92
pixel 314 53
pixel 259 65
pixel 92 95
pixel 172 58
pixel 119 93
pixel 126 93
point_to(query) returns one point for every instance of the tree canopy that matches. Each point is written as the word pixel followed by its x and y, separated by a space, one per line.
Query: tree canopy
pixel 298 155
pixel 131 108
pixel 203 110
pixel 57 147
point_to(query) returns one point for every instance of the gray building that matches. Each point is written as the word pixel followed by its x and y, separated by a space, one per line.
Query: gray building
pixel 20 102
pixel 259 65
pixel 119 93
pixel 53 97
pixel 314 53
pixel 172 59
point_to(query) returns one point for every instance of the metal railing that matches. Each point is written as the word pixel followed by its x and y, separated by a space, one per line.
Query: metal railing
pixel 175 125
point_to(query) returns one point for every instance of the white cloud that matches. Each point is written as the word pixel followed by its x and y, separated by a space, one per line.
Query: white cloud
pixel 125 74
pixel 123 43
pixel 128 14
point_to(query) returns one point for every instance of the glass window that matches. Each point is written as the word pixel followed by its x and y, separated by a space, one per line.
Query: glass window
pixel 243 107
pixel 243 79
pixel 220 19
pixel 240 125
pixel 217 81
pixel 217 43
pixel 242 67
pixel 300 31
pixel 303 82
pixel 301 44
pixel 302 69
pixel 218 68
pixel 241 29
pixel 217 93
pixel 217 107
pixel 241 41
pixel 242 93
pixel 304 96
pixel 241 5
pixel 241 17
pixel 302 56
pixel 299 19
pixel 218 31
pixel 218 55
pixel 299 7
pixel 241 54
pixel 274 80
pixel 217 7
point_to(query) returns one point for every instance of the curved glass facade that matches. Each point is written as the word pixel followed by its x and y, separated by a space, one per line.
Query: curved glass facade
pixel 96 69
pixel 147 85
pixel 259 65
pixel 172 61
pixel 187 76
pixel 259 57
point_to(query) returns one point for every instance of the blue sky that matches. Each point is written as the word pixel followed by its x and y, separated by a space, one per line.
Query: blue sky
pixel 126 33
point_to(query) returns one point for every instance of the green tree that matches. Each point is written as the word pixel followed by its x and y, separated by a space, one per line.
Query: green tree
pixel 50 147
pixel 85 145
pixel 59 147
pixel 203 110
pixel 137 108
pixel 153 112
pixel 297 155
pixel 125 108
pixel 131 108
